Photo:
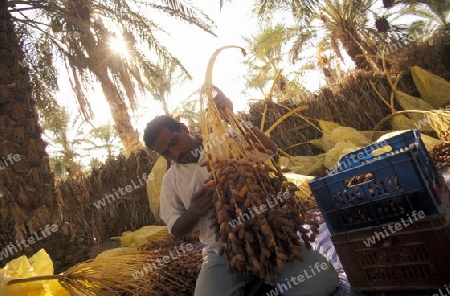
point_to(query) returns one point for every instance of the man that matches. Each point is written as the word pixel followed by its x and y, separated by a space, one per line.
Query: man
pixel 185 204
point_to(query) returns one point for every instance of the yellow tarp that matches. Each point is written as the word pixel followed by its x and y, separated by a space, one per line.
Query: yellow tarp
pixel 340 149
pixel 428 141
pixel 303 165
pixel 349 135
pixel 336 141
pixel 433 89
pixel 39 264
pixel 154 185
pixel 326 142
pixel 402 122
pixel 144 235
pixel 327 126
pixel 412 120
pixel 408 102
pixel 333 133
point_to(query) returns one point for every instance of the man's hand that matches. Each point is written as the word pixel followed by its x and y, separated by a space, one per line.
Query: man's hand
pixel 221 100
pixel 201 202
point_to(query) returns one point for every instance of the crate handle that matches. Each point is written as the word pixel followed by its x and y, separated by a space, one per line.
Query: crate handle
pixel 366 155
pixel 369 153
pixel 381 151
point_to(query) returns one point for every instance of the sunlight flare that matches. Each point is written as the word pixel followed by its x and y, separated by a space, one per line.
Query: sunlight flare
pixel 119 46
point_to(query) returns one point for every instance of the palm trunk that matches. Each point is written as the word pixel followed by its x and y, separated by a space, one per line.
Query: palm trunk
pixel 122 120
pixel 354 50
pixel 27 196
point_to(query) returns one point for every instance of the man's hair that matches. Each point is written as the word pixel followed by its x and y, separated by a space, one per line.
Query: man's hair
pixel 154 127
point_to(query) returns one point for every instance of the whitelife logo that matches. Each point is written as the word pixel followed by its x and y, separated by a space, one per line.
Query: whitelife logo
pixel 150 267
pixel 300 279
pixel 426 120
pixel 398 226
pixel 215 139
pixel 401 41
pixel 128 189
pixel 12 249
pixel 347 163
pixel 447 288
pixel 259 210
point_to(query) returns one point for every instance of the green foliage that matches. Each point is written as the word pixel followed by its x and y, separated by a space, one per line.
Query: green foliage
pixel 189 110
pixel 103 139
pixel 302 11
pixel 434 18
pixel 58 168
pixel 266 55
pixel 66 134
pixel 167 78
pixel 72 139
pixel 332 26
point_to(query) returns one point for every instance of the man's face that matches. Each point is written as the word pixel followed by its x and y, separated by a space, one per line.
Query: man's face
pixel 176 145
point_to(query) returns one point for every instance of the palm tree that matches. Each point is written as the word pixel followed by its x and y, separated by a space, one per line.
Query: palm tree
pixel 344 22
pixel 67 136
pixel 28 200
pixel 334 26
pixel 77 35
pixel 104 138
pixel 266 59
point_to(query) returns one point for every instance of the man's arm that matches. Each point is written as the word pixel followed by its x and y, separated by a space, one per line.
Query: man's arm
pixel 223 102
pixel 201 202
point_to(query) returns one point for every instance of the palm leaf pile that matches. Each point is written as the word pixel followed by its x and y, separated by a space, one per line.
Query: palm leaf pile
pixel 84 223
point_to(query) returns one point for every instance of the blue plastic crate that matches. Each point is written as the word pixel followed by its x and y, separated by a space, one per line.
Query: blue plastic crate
pixel 403 180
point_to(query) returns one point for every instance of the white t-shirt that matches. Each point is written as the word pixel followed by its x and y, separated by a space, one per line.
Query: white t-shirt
pixel 179 184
